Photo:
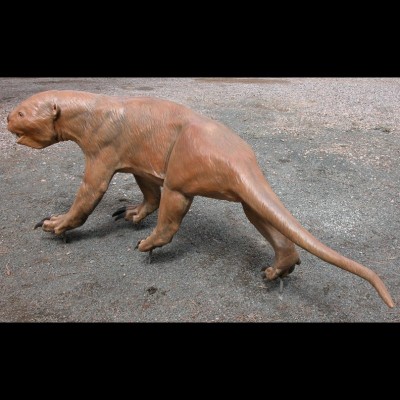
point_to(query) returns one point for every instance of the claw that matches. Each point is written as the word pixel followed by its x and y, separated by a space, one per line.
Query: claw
pixel 280 285
pixel 119 212
pixel 40 223
pixel 119 216
pixel 280 288
pixel 137 244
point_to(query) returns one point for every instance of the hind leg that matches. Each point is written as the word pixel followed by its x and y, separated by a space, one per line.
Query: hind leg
pixel 286 255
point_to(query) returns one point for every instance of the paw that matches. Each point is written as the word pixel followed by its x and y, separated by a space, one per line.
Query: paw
pixel 143 245
pixel 271 273
pixel 135 213
pixel 54 224
pixel 280 269
pixel 140 246
pixel 129 213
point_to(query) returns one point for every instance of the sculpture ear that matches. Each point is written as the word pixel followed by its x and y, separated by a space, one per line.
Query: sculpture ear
pixel 56 110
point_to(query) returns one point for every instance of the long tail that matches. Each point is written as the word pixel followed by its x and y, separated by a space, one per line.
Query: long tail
pixel 261 198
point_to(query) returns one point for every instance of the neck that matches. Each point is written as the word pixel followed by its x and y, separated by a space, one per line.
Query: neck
pixel 77 118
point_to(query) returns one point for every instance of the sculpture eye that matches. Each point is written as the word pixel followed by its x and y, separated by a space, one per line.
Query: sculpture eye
pixel 20 113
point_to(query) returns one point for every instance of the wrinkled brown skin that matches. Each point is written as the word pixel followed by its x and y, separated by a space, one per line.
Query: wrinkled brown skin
pixel 164 144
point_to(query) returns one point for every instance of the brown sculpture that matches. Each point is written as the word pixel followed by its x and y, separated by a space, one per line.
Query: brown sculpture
pixel 163 143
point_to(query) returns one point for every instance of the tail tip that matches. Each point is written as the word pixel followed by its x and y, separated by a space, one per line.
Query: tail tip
pixel 390 303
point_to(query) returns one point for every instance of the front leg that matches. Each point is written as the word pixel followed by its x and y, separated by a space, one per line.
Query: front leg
pixel 94 184
pixel 151 201
pixel 173 207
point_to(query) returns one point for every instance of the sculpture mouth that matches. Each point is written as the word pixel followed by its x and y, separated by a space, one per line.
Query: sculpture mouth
pixel 19 136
